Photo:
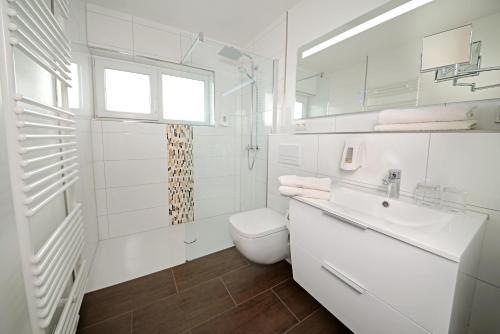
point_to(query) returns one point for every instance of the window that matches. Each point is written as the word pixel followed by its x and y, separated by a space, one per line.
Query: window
pixel 164 93
pixel 74 97
pixel 127 92
pixel 124 89
pixel 183 99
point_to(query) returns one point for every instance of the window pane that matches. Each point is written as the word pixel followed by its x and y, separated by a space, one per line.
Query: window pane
pixel 74 91
pixel 127 92
pixel 183 99
pixel 298 110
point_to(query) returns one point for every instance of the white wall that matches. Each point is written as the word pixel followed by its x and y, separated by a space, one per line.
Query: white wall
pixel 469 161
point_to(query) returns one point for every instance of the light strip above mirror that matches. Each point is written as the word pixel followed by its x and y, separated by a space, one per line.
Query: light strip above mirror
pixel 389 15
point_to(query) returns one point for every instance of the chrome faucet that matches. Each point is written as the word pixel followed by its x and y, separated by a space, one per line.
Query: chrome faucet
pixel 393 181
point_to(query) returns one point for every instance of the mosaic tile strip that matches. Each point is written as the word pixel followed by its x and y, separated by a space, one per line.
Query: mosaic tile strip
pixel 180 172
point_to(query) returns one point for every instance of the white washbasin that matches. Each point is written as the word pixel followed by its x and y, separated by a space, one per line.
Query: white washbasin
pixel 390 210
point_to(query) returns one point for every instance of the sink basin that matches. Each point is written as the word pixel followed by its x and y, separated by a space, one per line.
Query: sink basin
pixel 390 210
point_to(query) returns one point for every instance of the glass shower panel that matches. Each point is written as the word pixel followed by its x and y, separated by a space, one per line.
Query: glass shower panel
pixel 223 184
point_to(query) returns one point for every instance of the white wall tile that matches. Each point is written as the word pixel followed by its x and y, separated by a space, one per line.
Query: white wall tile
pixel 132 198
pixel 277 203
pixel 147 42
pixel 216 187
pixel 121 173
pixel 137 221
pixel 489 265
pixel 109 31
pixel 215 167
pixel 102 223
pixel 125 146
pixel 133 127
pixel 405 151
pixel 99 176
pixel 97 148
pixel 101 202
pixel 468 161
pixel 308 146
pixel 212 207
pixel 485 316
pixel 216 146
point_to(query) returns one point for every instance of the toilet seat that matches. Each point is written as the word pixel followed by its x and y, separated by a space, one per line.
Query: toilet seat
pixel 258 223
pixel 260 235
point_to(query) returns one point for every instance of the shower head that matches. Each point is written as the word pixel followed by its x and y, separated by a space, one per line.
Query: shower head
pixel 230 52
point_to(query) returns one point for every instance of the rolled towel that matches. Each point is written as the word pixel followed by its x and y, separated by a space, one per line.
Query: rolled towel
pixel 429 126
pixel 423 115
pixel 323 184
pixel 302 192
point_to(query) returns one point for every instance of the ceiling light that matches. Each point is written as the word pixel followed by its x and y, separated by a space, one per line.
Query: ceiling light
pixel 400 10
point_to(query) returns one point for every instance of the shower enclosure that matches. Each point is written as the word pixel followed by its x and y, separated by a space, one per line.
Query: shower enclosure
pixel 230 158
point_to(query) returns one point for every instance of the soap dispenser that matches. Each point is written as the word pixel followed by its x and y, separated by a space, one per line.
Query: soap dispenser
pixel 353 156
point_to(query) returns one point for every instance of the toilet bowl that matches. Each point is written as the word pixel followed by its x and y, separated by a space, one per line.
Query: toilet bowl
pixel 260 235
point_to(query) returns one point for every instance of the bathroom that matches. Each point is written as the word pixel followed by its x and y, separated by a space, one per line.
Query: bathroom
pixel 287 166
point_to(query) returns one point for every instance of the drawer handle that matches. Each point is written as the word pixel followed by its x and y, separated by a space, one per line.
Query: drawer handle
pixel 345 220
pixel 353 285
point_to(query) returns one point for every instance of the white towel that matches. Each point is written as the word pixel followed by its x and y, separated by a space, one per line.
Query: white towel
pixel 429 126
pixel 323 184
pixel 302 192
pixel 423 115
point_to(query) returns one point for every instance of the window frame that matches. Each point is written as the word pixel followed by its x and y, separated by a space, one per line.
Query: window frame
pixel 100 65
pixel 155 69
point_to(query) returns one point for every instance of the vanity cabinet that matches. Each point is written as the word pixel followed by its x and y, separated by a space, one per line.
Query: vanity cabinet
pixel 375 283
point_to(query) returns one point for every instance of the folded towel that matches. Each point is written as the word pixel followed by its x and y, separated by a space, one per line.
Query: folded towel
pixel 423 115
pixel 323 184
pixel 429 126
pixel 302 192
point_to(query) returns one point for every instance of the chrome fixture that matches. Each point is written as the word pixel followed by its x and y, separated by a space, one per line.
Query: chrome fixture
pixel 235 55
pixel 393 181
pixel 199 38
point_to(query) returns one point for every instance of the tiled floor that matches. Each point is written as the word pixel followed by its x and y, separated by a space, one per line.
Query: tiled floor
pixel 220 293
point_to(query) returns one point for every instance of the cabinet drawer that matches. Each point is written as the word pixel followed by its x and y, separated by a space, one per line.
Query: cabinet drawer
pixel 417 283
pixel 357 309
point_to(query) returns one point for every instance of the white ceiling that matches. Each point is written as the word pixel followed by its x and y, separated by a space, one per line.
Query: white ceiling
pixel 230 21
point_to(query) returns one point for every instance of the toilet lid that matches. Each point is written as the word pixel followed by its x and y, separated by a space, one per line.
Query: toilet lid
pixel 258 223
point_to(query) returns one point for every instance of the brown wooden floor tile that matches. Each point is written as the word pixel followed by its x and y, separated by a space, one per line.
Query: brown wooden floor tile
pixel 262 314
pixel 178 313
pixel 255 278
pixel 118 299
pixel 104 304
pixel 206 268
pixel 121 324
pixel 150 288
pixel 320 322
pixel 296 298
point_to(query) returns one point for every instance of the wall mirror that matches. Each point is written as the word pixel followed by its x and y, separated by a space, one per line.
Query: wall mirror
pixel 402 55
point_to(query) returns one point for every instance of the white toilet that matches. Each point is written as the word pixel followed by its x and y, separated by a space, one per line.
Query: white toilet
pixel 260 235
